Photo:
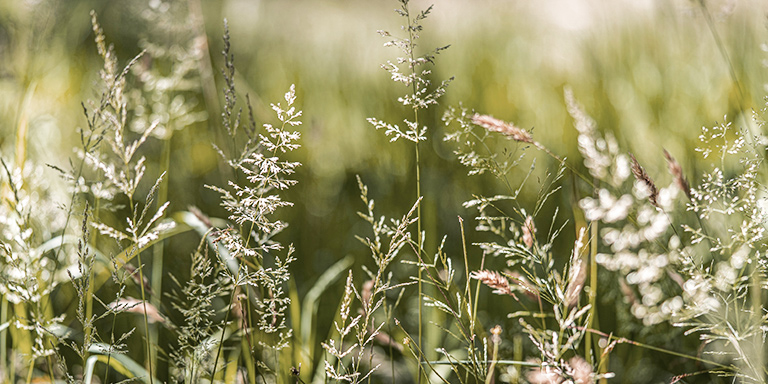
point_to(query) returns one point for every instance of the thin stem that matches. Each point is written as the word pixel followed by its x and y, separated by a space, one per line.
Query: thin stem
pixel 247 320
pixel 221 340
pixel 419 352
pixel 204 60
pixel 157 250
pixel 3 337
pixel 565 163
pixel 492 366
pixel 419 235
pixel 497 362
pixel 723 52
pixel 756 314
pixel 592 290
pixel 466 262
pixel 420 242
pixel 143 298
pixel 29 373
pixel 146 320
pixel 651 347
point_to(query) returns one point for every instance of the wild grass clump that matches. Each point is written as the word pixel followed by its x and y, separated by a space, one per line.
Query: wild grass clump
pixel 614 270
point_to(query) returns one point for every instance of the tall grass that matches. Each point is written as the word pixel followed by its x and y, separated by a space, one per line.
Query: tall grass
pixel 556 269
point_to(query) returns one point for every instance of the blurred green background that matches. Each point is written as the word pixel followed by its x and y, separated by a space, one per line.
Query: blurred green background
pixel 650 71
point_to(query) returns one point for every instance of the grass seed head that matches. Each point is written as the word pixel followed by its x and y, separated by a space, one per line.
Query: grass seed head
pixel 495 125
pixel 495 280
pixel 677 171
pixel 646 180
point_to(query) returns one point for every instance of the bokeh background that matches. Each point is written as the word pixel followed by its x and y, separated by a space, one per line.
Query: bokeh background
pixel 652 72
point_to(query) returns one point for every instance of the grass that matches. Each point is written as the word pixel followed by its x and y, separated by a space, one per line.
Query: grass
pixel 183 236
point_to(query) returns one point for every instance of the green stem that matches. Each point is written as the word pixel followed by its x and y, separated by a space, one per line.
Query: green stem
pixel 419 352
pixel 157 250
pixel 468 290
pixel 146 320
pixel 223 328
pixel 418 187
pixel 247 323
pixel 4 338
pixel 592 290
pixel 492 366
pixel 756 313
pixel 29 372
pixel 564 163
pixel 109 353
pixel 652 348
pixel 723 52
pixel 420 241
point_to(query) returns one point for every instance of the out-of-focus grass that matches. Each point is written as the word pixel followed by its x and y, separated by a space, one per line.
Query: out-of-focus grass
pixel 649 71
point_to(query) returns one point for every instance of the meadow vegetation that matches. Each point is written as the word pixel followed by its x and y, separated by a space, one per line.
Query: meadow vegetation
pixel 396 220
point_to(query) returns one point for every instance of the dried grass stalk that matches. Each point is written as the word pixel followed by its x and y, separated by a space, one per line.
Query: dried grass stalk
pixel 643 177
pixel 495 125
pixel 529 232
pixel 495 280
pixel 677 171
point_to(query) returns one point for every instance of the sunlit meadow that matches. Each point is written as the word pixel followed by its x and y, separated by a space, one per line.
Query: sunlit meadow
pixel 383 192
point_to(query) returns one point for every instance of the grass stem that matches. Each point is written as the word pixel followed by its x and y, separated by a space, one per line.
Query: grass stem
pixel 588 345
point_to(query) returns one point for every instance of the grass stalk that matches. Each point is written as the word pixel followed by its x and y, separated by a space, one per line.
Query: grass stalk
pixel 221 340
pixel 204 63
pixel 588 345
pixel 22 127
pixel 143 302
pixel 756 321
pixel 29 372
pixel 419 234
pixel 247 324
pixel 146 318
pixel 495 356
pixel 467 290
pixel 247 357
pixel 623 340
pixel 158 248
pixel 91 291
pixel 419 352
pixel 4 338
pixel 419 250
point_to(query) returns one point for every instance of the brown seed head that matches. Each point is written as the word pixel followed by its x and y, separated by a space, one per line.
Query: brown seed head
pixel 367 293
pixel 677 171
pixel 495 280
pixel 522 282
pixel 529 231
pixel 643 177
pixel 137 306
pixel 495 125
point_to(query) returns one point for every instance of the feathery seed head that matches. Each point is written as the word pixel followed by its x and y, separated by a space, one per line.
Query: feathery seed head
pixel 677 171
pixel 529 231
pixel 646 180
pixel 495 125
pixel 495 280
